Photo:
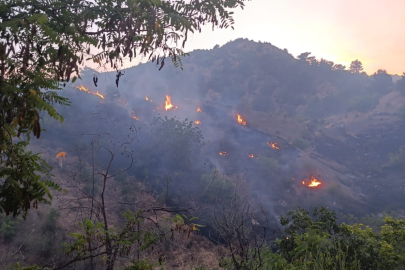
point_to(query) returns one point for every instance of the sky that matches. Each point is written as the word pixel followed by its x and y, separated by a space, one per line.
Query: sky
pixel 372 31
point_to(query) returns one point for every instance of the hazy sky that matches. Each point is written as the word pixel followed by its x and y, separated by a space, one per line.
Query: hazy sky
pixel 372 31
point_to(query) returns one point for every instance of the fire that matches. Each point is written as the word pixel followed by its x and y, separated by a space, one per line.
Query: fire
pixel 120 100
pixel 241 121
pixel 314 182
pixel 169 105
pixel 61 155
pixel 147 99
pixel 197 122
pixel 223 153
pixel 251 156
pixel 133 116
pixel 198 109
pixel 273 145
pixel 84 89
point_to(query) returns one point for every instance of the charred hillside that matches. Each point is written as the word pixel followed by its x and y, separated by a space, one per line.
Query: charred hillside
pixel 238 101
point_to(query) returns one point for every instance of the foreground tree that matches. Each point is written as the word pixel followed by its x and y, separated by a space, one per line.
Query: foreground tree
pixel 42 44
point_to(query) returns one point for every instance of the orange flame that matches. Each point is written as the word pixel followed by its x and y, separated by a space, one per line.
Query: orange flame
pixel 198 109
pixel 120 100
pixel 251 156
pixel 82 88
pixel 314 182
pixel 223 153
pixel 61 155
pixel 133 116
pixel 273 145
pixel 147 99
pixel 169 105
pixel 241 121
pixel 197 122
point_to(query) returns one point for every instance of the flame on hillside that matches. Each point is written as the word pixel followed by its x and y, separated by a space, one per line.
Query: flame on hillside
pixel 198 109
pixel 147 99
pixel 61 155
pixel 223 153
pixel 84 89
pixel 134 116
pixel 251 156
pixel 273 145
pixel 197 122
pixel 240 120
pixel 313 182
pixel 168 105
pixel 120 100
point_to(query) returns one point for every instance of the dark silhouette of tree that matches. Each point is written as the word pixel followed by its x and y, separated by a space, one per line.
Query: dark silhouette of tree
pixel 400 85
pixel 337 67
pixel 356 66
pixel 382 82
pixel 306 58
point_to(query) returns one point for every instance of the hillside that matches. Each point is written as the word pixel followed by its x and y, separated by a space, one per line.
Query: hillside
pixel 351 121
pixel 245 117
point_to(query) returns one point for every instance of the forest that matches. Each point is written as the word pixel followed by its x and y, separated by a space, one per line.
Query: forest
pixel 240 157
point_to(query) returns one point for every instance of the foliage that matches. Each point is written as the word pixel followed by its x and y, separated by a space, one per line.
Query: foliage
pixel 356 66
pixel 301 143
pixel 22 174
pixel 364 103
pixel 218 187
pixel 8 228
pixel 111 243
pixel 397 159
pixel 175 140
pixel 400 85
pixel 268 165
pixel 315 243
pixel 43 43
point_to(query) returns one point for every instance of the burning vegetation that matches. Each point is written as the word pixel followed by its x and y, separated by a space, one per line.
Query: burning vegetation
pixel 240 120
pixel 168 104
pixel 84 89
pixel 134 116
pixel 251 156
pixel 197 122
pixel 223 153
pixel 313 182
pixel 273 145
pixel 198 109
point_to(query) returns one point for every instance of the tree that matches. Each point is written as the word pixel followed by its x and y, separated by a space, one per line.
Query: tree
pixel 107 240
pixel 336 67
pixel 382 82
pixel 356 66
pixel 243 227
pixel 400 85
pixel 305 57
pixel 43 43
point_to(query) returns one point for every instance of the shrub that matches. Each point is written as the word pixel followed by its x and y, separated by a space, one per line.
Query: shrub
pixel 397 159
pixel 8 228
pixel 301 143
